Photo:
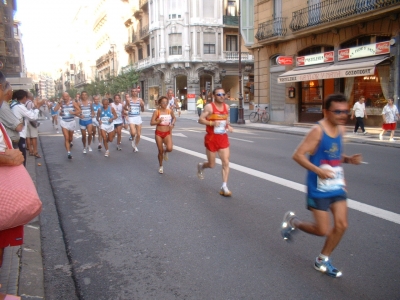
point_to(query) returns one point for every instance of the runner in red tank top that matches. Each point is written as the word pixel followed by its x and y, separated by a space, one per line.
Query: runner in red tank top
pixel 216 118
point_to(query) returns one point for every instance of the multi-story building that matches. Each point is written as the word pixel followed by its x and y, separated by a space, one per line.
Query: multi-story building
pixel 186 46
pixel 46 87
pixel 310 49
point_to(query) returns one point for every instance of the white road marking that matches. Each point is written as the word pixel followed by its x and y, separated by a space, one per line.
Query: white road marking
pixel 179 134
pixel 364 162
pixel 232 138
pixel 196 131
pixel 362 207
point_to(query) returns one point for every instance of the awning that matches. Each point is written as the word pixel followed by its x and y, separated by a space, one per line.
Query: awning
pixel 337 70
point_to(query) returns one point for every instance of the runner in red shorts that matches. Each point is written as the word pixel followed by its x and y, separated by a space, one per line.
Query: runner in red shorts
pixel 216 118
pixel 164 119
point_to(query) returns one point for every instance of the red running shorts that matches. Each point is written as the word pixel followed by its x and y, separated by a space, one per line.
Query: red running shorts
pixel 215 142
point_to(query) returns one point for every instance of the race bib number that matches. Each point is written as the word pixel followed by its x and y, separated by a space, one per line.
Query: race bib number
pixel 135 110
pixel 118 114
pixel 165 119
pixel 86 113
pixel 221 128
pixel 67 112
pixel 105 119
pixel 331 184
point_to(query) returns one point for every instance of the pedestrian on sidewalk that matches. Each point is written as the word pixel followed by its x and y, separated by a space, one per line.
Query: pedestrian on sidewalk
pixel 390 115
pixel 360 113
pixel 32 131
pixel 321 153
pixel 199 105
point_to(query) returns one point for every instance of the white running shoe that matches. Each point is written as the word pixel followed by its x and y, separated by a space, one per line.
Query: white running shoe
pixel 161 170
pixel 200 171
pixel 225 192
pixel 119 148
pixel 135 149
pixel 133 144
pixel 391 140
pixel 90 149
pixel 84 150
pixel 380 137
pixel 107 153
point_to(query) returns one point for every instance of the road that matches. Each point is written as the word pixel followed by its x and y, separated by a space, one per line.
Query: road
pixel 131 233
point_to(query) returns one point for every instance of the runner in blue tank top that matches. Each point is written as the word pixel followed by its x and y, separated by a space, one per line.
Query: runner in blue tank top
pixel 325 181
pixel 85 121
pixel 95 124
pixel 134 107
pixel 54 114
pixel 105 116
pixel 69 110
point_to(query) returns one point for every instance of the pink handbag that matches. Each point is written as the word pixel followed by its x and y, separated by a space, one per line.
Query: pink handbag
pixel 19 200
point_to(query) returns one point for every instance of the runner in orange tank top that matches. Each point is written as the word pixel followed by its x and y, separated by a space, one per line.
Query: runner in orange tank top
pixel 216 118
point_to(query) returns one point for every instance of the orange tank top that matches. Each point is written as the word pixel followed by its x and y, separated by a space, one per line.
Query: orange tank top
pixel 217 115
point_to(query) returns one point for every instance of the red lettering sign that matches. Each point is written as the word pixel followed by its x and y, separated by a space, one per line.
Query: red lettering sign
pixel 300 60
pixel 329 56
pixel 284 60
pixel 382 48
pixel 191 95
pixel 344 54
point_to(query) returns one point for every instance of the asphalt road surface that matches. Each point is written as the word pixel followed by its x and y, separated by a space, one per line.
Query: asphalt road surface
pixel 131 233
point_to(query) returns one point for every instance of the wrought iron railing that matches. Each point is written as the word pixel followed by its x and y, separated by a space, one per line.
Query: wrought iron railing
pixel 234 55
pixel 330 10
pixel 231 20
pixel 144 31
pixel 271 28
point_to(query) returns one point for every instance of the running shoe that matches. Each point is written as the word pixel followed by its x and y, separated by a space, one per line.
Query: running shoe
pixel 380 137
pixel 69 155
pixel 391 140
pixel 99 147
pixel 133 144
pixel 107 153
pixel 326 267
pixel 200 171
pixel 364 133
pixel 130 138
pixel 287 227
pixel 225 192
pixel 57 131
pixel 90 149
pixel 165 155
pixel 161 170
pixel 84 150
pixel 71 144
pixel 135 149
pixel 119 148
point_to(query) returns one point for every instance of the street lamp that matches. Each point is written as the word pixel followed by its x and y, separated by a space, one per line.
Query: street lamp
pixel 240 110
pixel 113 58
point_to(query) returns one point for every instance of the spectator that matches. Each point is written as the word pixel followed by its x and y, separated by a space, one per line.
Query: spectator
pixel 360 113
pixel 390 115
pixel 12 125
pixel 31 131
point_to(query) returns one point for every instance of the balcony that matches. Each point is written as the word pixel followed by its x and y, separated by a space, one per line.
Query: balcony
pixel 233 56
pixel 231 20
pixel 332 10
pixel 144 32
pixel 272 28
pixel 142 3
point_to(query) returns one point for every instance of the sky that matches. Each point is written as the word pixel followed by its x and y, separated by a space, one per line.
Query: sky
pixel 44 27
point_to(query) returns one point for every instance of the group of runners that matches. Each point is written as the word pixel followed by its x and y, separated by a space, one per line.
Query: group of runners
pixel 320 153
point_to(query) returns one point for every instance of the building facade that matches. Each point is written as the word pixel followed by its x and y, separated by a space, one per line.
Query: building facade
pixel 186 46
pixel 310 49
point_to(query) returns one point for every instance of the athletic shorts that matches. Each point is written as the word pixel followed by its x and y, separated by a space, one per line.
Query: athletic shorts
pixel 117 125
pixel 31 132
pixel 215 142
pixel 84 123
pixel 54 114
pixel 70 126
pixel 95 122
pixel 107 128
pixel 12 236
pixel 135 120
pixel 163 134
pixel 324 203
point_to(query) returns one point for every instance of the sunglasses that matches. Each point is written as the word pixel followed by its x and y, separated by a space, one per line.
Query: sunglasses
pixel 220 94
pixel 338 111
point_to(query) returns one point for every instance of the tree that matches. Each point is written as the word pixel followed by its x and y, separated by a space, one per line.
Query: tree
pixel 72 92
pixel 127 79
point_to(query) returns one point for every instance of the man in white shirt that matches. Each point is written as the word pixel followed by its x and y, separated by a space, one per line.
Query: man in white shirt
pixel 23 114
pixel 360 113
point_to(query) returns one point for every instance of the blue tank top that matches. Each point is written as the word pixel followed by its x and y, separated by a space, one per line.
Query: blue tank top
pixel 135 108
pixel 106 115
pixel 96 107
pixel 86 112
pixel 52 111
pixel 66 109
pixel 327 156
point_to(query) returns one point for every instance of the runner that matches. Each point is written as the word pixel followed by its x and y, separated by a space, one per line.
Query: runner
pixel 119 109
pixel 69 109
pixel 126 117
pixel 134 106
pixel 54 114
pixel 95 124
pixel 325 181
pixel 164 119
pixel 216 118
pixel 85 121
pixel 105 116
pixel 171 99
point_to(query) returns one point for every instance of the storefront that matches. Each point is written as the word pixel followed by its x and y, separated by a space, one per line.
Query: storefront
pixel 357 71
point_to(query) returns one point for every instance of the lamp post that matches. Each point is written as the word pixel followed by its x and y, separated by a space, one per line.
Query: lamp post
pixel 113 58
pixel 240 110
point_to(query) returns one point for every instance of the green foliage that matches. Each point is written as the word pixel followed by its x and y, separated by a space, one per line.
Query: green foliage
pixel 72 92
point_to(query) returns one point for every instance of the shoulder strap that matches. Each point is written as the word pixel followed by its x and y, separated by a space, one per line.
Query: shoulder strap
pixel 13 103
pixel 6 137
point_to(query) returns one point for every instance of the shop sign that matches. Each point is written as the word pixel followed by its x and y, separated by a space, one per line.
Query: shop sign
pixel 364 51
pixel 314 59
pixel 284 60
pixel 328 74
pixel 191 95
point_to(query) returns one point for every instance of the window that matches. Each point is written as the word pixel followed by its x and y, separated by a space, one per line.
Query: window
pixel 153 53
pixel 140 53
pixel 315 50
pixel 175 44
pixel 148 50
pixel 209 43
pixel 174 9
pixel 231 43
pixel 231 9
pixel 15 31
pixel 175 16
